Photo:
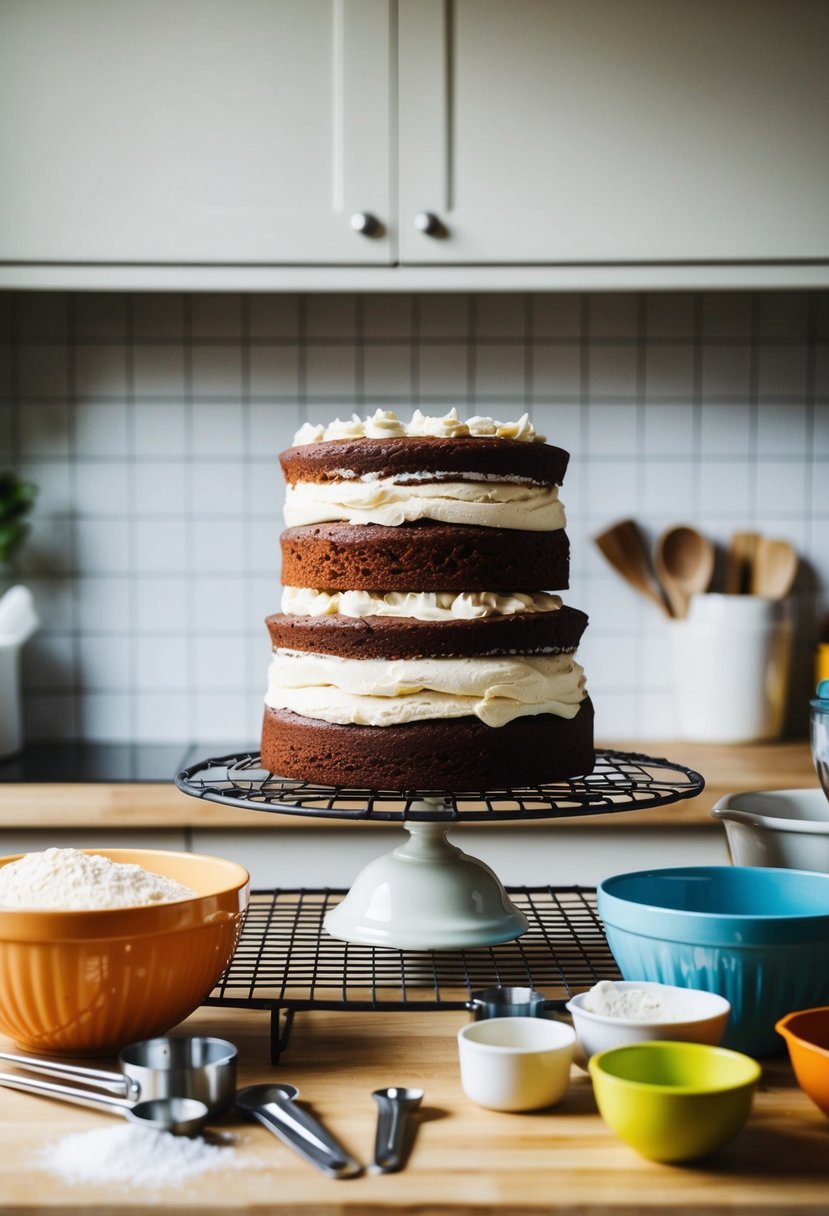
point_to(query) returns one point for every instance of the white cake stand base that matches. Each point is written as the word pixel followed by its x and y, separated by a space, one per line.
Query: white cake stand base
pixel 426 895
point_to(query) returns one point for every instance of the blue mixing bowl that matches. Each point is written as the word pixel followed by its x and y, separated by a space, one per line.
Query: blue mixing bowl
pixel 758 937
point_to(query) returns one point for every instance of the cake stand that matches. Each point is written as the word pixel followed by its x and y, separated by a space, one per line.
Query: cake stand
pixel 427 894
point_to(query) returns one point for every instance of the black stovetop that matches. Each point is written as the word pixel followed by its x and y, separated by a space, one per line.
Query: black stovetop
pixel 111 762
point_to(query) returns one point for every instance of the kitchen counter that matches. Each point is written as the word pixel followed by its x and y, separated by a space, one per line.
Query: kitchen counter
pixel 465 1160
pixel 26 804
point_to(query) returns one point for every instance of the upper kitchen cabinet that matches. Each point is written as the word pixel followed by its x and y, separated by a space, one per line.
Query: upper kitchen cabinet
pixel 414 144
pixel 613 131
pixel 195 131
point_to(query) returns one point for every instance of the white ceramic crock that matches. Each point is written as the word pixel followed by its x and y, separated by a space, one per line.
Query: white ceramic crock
pixel 731 658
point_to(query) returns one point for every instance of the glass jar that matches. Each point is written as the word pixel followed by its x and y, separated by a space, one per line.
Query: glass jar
pixel 820 734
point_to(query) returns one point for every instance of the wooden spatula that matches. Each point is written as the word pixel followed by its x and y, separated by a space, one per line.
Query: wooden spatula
pixel 739 562
pixel 774 569
pixel 624 547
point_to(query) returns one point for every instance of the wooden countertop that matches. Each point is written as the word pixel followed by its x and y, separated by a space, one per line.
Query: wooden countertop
pixel 726 769
pixel 465 1160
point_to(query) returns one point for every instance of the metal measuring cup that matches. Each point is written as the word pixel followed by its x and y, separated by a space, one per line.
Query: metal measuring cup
pixel 508 1002
pixel 195 1067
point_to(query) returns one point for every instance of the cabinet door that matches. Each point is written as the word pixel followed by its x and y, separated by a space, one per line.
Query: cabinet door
pixel 571 131
pixel 194 131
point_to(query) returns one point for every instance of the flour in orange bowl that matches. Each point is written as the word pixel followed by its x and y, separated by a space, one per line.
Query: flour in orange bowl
pixel 71 880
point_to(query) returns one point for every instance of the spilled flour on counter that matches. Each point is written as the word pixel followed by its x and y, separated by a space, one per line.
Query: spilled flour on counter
pixel 136 1157
pixel 71 879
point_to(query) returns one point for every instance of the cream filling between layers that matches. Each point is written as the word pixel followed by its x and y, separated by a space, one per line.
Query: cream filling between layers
pixel 482 504
pixel 380 692
pixel 418 605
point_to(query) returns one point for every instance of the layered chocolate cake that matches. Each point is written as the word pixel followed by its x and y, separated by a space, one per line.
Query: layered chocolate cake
pixel 419 644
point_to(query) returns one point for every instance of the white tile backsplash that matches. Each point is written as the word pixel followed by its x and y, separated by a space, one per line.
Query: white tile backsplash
pixel 158 371
pixel 159 545
pixel 218 429
pixel 102 546
pixel 447 317
pixel 158 315
pixel 152 424
pixel 217 371
pixel 106 716
pixel 104 603
pixel 160 663
pixel 44 428
pixel 274 370
pixel 272 317
pixel 160 429
pixel 104 663
pixel 331 371
pixel 556 370
pixel 102 428
pixel 500 317
pixel 556 318
pixel 613 370
pixel 670 372
pixel 42 370
pixel 160 488
pixel 442 371
pixel 100 371
pixel 385 368
pixel 726 371
pixel 101 488
pixel 500 370
pixel 669 488
pixel 162 605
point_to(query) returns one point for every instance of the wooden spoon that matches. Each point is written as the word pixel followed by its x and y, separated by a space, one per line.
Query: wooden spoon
pixel 775 567
pixel 624 547
pixel 684 562
pixel 739 562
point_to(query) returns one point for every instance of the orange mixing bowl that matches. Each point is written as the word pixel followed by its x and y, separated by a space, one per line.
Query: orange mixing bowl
pixel 88 983
pixel 807 1038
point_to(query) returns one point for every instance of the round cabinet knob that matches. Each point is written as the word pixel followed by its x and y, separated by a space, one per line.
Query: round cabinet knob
pixel 428 223
pixel 365 222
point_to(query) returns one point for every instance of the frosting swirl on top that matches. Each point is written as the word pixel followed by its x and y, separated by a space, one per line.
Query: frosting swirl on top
pixel 384 424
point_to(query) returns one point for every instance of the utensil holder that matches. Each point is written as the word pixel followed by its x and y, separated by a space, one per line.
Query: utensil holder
pixel 731 659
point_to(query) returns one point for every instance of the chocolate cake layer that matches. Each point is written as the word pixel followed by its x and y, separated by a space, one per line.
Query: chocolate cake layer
pixel 378 637
pixel 537 462
pixel 424 556
pixel 457 755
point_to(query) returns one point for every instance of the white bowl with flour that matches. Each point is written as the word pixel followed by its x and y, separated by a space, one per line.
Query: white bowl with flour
pixel 616 1014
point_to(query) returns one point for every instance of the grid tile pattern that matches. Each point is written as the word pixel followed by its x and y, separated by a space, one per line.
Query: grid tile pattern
pixel 151 424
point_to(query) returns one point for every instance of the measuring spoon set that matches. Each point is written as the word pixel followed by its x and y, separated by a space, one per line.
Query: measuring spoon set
pixel 176 1084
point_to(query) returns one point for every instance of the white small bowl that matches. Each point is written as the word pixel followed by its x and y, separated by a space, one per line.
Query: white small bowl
pixel 786 829
pixel 705 1020
pixel 516 1063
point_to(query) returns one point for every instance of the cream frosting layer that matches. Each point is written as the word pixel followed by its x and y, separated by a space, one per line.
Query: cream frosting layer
pixel 384 424
pixel 378 692
pixel 482 504
pixel 418 605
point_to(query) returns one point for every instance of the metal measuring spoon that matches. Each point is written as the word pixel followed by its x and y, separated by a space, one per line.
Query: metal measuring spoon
pixel 179 1066
pixel 394 1124
pixel 181 1116
pixel 274 1107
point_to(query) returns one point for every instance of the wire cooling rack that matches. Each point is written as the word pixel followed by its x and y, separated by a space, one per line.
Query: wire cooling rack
pixel 620 781
pixel 286 962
